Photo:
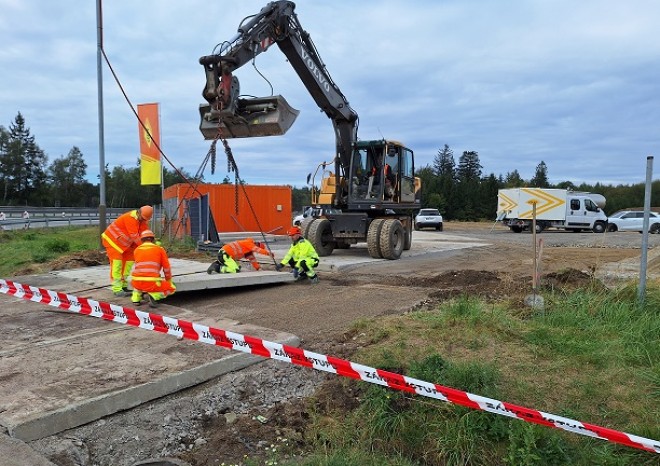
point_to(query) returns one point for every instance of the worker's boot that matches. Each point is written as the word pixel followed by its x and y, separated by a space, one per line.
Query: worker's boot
pixel 152 301
pixel 314 280
pixel 136 297
pixel 214 267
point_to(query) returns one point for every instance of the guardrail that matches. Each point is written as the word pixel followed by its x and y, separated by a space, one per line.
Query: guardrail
pixel 11 217
pixel 48 222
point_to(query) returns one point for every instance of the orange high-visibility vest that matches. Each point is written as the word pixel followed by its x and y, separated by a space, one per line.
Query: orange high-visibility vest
pixel 124 233
pixel 149 260
pixel 245 248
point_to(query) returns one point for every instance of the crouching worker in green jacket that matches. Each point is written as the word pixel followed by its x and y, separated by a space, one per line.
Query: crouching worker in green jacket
pixel 301 257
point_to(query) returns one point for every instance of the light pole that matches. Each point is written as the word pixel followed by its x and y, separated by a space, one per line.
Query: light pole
pixel 99 78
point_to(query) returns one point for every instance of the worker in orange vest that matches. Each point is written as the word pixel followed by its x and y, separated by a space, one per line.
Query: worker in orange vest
pixel 231 252
pixel 120 240
pixel 150 259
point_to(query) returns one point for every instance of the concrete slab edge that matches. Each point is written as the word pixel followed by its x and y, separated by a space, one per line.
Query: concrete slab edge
pixel 93 409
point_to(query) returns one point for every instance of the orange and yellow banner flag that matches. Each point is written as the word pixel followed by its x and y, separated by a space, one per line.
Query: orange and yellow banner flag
pixel 150 169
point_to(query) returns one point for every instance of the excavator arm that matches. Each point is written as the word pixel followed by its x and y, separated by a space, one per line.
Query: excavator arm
pixel 228 115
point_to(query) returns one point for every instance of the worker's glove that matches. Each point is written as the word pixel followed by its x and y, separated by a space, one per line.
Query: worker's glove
pixel 159 242
pixel 278 267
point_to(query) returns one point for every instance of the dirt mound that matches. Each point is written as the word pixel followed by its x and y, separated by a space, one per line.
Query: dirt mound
pixel 569 280
pixel 78 259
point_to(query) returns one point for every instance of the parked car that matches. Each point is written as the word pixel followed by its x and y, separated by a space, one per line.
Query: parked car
pixel 633 220
pixel 314 212
pixel 428 218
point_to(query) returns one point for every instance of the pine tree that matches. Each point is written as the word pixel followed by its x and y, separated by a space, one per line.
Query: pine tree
pixel 540 179
pixel 514 180
pixel 445 182
pixel 469 177
pixel 67 176
pixel 24 164
pixel 469 167
pixel 444 164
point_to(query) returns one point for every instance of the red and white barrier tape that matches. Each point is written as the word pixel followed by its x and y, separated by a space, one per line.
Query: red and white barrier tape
pixel 290 354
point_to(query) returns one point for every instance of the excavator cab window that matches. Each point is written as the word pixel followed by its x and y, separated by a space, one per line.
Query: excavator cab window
pixel 391 173
pixel 365 182
pixel 407 186
pixel 379 172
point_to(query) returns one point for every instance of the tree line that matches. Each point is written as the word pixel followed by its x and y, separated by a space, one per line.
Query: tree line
pixel 458 189
pixel 462 192
pixel 27 177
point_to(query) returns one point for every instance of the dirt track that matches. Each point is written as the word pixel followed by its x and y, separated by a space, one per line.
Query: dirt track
pixel 215 422
pixel 317 313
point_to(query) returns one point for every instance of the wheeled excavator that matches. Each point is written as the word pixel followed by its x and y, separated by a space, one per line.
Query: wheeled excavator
pixel 372 189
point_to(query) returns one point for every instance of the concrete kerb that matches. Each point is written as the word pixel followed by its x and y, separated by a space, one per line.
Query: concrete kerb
pixel 53 422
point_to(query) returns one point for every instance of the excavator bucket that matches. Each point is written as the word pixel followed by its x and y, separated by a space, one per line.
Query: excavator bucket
pixel 259 116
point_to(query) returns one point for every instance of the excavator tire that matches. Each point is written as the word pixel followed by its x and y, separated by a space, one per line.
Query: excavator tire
pixel 373 238
pixel 392 238
pixel 304 227
pixel 320 235
pixel 407 239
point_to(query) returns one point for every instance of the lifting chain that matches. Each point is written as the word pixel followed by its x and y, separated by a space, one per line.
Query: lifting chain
pixel 238 183
pixel 231 166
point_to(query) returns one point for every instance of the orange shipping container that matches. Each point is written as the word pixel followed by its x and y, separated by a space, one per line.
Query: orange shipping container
pixel 251 208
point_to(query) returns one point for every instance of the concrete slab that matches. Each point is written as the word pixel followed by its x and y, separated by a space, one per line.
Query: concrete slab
pixel 61 370
pixel 188 276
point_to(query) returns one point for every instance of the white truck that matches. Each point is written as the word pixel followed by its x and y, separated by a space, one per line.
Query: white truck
pixel 557 208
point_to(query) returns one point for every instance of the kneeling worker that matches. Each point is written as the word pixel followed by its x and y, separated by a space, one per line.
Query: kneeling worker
pixel 236 250
pixel 302 257
pixel 150 259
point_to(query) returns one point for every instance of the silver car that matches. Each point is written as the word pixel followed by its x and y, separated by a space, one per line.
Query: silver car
pixel 633 220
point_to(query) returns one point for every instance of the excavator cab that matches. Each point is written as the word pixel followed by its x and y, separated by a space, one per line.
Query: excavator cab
pixel 382 172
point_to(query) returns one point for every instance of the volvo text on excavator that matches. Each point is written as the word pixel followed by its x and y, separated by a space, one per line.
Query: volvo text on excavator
pixel 373 188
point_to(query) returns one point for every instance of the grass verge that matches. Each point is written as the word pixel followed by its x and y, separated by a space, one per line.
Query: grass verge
pixel 592 355
pixel 21 249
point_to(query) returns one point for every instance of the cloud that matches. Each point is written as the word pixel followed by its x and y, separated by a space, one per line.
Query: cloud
pixel 571 83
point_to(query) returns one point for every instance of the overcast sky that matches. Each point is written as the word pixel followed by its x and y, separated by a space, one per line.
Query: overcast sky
pixel 575 84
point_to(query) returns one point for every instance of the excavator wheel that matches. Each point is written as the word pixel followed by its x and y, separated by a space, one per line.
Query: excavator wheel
pixel 392 239
pixel 304 227
pixel 373 238
pixel 320 235
pixel 407 239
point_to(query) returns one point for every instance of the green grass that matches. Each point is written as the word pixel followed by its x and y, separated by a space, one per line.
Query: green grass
pixel 591 355
pixel 20 249
pixel 30 250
